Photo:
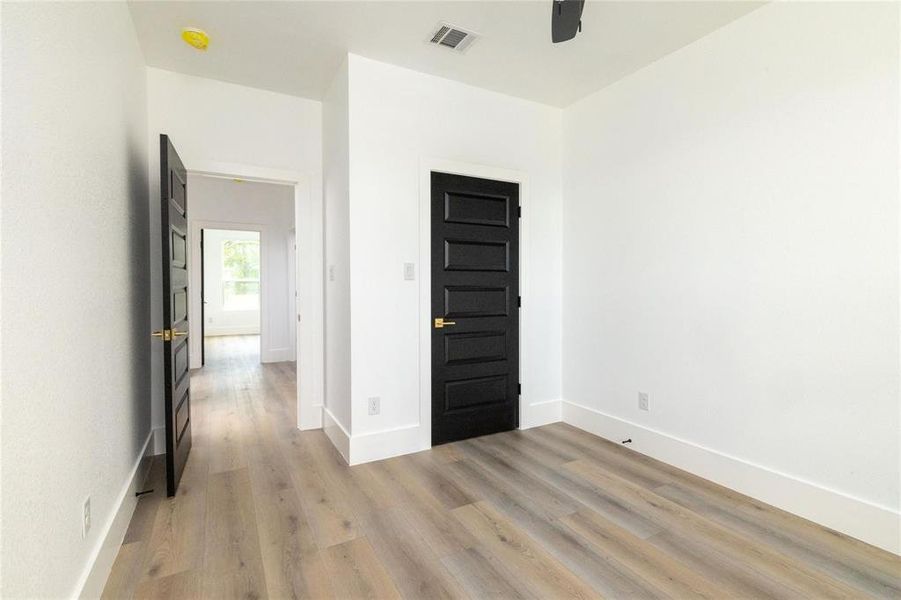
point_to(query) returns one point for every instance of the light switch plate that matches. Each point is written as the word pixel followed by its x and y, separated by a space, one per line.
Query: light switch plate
pixel 409 271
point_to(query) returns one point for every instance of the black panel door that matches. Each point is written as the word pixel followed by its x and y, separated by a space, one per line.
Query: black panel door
pixel 202 303
pixel 475 314
pixel 174 227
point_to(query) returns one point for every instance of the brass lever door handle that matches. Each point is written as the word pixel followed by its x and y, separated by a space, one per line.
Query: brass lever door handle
pixel 168 334
pixel 440 323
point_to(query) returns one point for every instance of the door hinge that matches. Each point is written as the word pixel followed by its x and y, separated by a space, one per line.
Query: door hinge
pixel 519 389
pixel 519 301
pixel 519 211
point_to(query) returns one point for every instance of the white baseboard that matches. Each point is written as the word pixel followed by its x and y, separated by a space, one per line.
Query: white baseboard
pixel 336 433
pixel 407 439
pixel 377 445
pixel 876 525
pixel 159 440
pixel 272 355
pixel 372 446
pixel 103 555
pixel 221 331
pixel 541 413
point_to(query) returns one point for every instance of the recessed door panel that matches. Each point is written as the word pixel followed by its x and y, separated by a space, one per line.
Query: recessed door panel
pixel 183 414
pixel 179 249
pixel 180 305
pixel 475 347
pixel 472 255
pixel 180 366
pixel 476 301
pixel 178 196
pixel 466 394
pixel 476 209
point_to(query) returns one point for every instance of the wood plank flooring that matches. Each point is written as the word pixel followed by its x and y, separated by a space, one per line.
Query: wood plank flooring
pixel 265 510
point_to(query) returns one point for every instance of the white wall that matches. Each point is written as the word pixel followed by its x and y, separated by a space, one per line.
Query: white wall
pixel 218 320
pixel 337 258
pixel 76 396
pixel 397 120
pixel 223 127
pixel 731 247
pixel 222 203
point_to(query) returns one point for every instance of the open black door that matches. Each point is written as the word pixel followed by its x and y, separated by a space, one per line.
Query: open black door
pixel 475 307
pixel 174 228
pixel 202 303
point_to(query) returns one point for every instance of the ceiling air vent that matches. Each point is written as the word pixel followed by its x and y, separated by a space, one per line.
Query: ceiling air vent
pixel 452 37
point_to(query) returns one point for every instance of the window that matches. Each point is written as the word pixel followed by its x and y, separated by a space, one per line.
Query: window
pixel 240 275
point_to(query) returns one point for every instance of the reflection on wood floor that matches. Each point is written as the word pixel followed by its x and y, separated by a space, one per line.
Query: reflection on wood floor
pixel 265 510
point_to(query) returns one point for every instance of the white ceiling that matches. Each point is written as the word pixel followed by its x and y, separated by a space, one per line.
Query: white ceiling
pixel 296 47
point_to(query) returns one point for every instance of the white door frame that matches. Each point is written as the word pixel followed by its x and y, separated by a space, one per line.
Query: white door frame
pixel 309 277
pixel 195 257
pixel 293 308
pixel 426 167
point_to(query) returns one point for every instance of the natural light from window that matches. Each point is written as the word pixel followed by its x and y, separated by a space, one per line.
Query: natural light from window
pixel 240 275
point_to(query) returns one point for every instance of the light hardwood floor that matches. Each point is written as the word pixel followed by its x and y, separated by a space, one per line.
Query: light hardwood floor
pixel 265 510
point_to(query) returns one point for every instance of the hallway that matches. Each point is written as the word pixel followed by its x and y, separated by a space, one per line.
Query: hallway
pixel 225 353
pixel 265 510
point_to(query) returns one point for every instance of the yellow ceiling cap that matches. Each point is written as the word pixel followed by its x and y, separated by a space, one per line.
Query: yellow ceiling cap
pixel 197 38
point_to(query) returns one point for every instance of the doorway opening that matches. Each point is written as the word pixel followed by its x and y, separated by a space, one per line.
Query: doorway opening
pixel 242 266
pixel 231 294
pixel 285 211
pixel 244 317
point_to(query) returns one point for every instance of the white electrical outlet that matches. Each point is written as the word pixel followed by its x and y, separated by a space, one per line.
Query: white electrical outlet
pixel 86 518
pixel 409 271
pixel 643 402
pixel 374 405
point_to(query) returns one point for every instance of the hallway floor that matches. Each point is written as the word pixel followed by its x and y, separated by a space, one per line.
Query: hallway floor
pixel 265 510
